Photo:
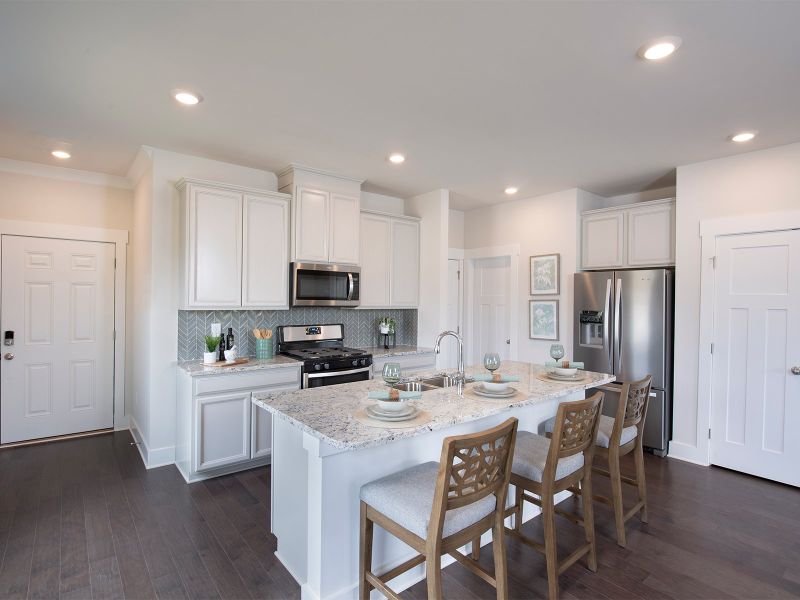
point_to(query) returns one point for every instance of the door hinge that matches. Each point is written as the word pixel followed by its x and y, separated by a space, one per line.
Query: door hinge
pixel 713 262
pixel 115 263
pixel 712 347
pixel 114 335
pixel 709 433
pixel 458 275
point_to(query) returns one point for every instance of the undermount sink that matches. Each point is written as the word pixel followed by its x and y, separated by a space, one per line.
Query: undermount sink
pixel 414 386
pixel 441 381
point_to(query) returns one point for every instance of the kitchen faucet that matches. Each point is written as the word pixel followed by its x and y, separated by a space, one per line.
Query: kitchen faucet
pixel 461 375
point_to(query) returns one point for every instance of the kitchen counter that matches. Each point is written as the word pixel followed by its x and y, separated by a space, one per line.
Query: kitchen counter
pixel 321 456
pixel 327 412
pixel 196 367
pixel 381 352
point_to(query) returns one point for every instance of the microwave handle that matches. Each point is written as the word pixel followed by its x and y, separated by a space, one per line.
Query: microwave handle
pixel 350 286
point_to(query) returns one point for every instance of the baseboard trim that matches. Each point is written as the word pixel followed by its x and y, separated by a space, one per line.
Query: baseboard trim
pixel 56 438
pixel 226 470
pixel 151 457
pixel 688 453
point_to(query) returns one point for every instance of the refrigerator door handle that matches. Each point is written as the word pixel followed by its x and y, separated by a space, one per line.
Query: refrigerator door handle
pixel 607 326
pixel 618 327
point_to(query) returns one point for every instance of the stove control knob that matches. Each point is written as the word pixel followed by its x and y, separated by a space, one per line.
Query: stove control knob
pixel 355 363
pixel 317 367
pixel 327 366
pixel 363 362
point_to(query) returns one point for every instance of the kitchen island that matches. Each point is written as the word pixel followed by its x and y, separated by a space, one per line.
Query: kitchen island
pixel 322 455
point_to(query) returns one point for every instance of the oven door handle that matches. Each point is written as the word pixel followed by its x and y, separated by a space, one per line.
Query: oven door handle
pixel 337 373
pixel 350 286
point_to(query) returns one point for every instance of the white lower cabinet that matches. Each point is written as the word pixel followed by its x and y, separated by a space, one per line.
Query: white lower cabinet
pixel 410 364
pixel 219 429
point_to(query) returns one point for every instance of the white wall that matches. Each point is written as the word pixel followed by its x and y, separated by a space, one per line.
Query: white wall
pixel 540 225
pixel 382 203
pixel 157 308
pixel 455 229
pixel 756 182
pixel 432 208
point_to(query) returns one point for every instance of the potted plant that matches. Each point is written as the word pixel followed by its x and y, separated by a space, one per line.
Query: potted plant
pixel 212 341
pixel 387 325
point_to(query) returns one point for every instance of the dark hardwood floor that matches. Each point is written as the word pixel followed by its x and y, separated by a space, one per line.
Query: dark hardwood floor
pixel 84 519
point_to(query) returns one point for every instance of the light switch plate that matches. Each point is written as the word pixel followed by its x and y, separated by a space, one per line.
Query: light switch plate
pixel 216 328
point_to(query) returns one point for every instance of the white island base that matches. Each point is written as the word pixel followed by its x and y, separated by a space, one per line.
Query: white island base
pixel 315 499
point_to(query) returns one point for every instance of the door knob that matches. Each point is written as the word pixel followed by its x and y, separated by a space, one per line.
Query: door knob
pixel 795 370
pixel 8 356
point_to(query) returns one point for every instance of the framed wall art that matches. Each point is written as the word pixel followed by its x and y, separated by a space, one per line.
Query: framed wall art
pixel 543 319
pixel 545 274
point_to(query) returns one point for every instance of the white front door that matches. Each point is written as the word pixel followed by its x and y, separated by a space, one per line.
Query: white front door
pixel 58 300
pixel 755 411
pixel 491 319
pixel 450 347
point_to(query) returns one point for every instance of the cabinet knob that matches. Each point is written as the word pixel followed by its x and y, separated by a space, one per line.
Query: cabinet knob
pixel 8 356
pixel 795 370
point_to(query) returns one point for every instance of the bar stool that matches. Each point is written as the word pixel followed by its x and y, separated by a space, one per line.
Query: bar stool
pixel 438 507
pixel 616 437
pixel 545 467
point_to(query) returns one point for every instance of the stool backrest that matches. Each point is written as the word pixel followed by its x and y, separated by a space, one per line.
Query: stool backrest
pixel 632 407
pixel 473 466
pixel 575 429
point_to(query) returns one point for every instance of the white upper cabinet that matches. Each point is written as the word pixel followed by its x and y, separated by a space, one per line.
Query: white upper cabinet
pixel 235 247
pixel 343 237
pixel 389 261
pixel 651 235
pixel 376 232
pixel 603 237
pixel 325 215
pixel 639 235
pixel 405 264
pixel 311 238
pixel 215 247
pixel 265 257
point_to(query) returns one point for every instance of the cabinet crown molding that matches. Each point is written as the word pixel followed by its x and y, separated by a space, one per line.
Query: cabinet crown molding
pixel 315 171
pixel 381 213
pixel 184 181
pixel 607 209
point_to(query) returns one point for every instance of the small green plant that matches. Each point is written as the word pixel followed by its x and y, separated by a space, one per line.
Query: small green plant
pixel 212 341
pixel 389 323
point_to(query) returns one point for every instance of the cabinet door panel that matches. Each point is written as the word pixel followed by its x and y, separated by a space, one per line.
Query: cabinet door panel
pixel 215 248
pixel 311 225
pixel 345 216
pixel 651 235
pixel 222 430
pixel 261 433
pixel 265 272
pixel 405 264
pixel 602 240
pixel 376 232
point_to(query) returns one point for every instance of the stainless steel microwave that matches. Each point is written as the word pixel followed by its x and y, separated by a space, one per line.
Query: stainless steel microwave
pixel 320 284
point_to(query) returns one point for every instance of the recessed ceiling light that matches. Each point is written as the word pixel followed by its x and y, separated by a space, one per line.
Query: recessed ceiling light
pixel 660 48
pixel 62 154
pixel 744 136
pixel 187 98
pixel 397 158
pixel 511 190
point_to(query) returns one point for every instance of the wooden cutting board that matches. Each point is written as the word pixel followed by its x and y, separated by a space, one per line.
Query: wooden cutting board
pixel 224 363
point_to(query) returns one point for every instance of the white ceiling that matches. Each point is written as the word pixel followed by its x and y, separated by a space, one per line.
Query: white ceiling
pixel 544 96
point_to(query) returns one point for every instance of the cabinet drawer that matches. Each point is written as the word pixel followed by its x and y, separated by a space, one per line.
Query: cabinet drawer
pixel 283 376
pixel 409 364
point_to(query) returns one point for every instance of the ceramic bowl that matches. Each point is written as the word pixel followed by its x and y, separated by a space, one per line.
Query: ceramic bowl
pixel 391 405
pixel 562 372
pixel 495 387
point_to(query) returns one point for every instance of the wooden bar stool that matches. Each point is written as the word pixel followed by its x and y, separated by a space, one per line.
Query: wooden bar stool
pixel 545 467
pixel 438 507
pixel 616 437
pixel 620 436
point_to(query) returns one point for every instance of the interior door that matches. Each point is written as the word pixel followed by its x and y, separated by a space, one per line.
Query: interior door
pixel 58 300
pixel 490 311
pixel 755 412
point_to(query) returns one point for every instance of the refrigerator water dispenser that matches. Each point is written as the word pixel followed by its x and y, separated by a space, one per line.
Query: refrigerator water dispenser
pixel 591 328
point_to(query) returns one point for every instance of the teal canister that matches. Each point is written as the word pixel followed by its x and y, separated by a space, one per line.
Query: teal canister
pixel 264 349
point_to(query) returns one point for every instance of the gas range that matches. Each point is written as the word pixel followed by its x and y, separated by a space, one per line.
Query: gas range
pixel 326 360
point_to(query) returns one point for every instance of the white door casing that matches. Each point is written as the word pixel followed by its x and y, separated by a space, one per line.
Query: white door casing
pixel 454 309
pixel 755 407
pixel 58 298
pixel 491 319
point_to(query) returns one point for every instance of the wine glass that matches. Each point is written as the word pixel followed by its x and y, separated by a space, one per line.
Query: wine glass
pixel 391 373
pixel 491 360
pixel 557 352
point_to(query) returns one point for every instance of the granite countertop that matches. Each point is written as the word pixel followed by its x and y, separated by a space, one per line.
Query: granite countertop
pixel 327 412
pixel 196 367
pixel 381 352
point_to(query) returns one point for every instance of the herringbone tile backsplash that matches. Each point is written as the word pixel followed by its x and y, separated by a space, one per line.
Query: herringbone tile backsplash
pixel 360 326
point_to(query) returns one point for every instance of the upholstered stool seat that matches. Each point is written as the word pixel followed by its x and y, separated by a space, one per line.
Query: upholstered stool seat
pixel 604 430
pixel 530 456
pixel 406 498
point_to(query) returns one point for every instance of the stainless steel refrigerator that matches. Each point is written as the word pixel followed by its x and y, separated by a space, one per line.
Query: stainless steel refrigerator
pixel 623 325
